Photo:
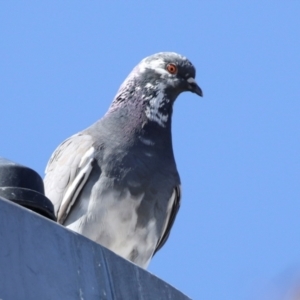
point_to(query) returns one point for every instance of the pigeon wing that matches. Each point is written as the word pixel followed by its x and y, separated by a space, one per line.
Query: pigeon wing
pixel 172 210
pixel 67 171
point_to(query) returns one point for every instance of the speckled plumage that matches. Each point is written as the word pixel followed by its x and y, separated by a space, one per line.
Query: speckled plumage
pixel 116 182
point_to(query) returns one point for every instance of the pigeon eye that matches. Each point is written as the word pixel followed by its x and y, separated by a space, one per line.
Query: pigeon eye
pixel 172 69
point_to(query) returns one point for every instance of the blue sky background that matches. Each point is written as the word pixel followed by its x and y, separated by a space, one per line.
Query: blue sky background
pixel 237 235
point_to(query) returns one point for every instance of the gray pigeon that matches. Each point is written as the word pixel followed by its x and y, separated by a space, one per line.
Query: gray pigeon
pixel 116 182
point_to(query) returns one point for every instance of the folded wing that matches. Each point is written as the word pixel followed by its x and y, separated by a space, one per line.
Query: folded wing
pixel 67 171
pixel 172 210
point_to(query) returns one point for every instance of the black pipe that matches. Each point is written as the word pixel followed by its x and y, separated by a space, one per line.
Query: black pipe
pixel 25 187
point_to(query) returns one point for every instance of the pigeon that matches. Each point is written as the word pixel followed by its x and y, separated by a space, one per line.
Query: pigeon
pixel 116 182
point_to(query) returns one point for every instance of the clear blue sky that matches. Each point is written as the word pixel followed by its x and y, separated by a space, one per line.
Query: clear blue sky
pixel 237 149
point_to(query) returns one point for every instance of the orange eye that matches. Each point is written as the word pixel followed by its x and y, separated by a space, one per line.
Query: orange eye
pixel 172 68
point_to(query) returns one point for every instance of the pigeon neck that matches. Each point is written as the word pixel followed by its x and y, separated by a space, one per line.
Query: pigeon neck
pixel 144 110
pixel 144 101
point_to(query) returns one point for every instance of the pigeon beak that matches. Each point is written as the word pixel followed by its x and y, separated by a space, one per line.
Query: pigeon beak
pixel 194 87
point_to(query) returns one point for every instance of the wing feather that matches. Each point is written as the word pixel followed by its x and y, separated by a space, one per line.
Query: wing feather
pixel 172 210
pixel 67 171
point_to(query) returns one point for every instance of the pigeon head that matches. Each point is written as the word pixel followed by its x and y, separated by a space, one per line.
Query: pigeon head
pixel 172 71
pixel 155 83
